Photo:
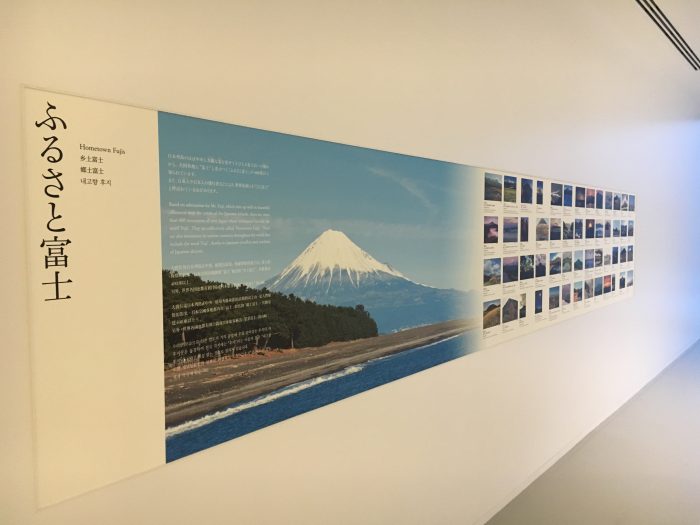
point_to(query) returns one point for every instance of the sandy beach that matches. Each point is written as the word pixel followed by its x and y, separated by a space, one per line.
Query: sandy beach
pixel 194 392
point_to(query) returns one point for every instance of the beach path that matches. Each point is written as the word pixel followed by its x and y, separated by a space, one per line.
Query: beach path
pixel 194 392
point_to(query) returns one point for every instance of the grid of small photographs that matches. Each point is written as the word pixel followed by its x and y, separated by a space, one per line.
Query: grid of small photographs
pixel 552 250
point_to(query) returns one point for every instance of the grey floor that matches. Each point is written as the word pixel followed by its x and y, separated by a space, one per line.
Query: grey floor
pixel 640 467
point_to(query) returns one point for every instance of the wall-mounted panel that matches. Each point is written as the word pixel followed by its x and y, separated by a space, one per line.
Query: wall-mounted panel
pixel 193 281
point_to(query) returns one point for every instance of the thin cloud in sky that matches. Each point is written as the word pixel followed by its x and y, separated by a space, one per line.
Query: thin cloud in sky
pixel 407 184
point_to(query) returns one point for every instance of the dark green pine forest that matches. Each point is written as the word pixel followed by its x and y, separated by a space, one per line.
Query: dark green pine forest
pixel 197 322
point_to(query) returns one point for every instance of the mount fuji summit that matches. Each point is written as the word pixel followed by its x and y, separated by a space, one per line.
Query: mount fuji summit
pixel 334 270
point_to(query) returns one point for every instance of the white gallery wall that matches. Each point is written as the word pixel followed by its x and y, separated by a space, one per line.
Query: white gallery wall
pixel 586 92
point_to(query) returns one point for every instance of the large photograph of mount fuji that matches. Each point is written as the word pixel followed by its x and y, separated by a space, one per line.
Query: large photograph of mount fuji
pixel 298 272
pixel 334 270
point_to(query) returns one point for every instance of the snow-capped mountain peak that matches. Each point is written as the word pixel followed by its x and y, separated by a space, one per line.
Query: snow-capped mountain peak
pixel 332 257
pixel 334 270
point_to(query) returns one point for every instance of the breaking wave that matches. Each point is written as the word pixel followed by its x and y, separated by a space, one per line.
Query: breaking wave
pixel 262 400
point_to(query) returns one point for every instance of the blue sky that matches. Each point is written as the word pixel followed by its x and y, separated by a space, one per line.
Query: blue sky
pixel 407 211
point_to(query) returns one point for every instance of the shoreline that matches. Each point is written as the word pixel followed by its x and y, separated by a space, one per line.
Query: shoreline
pixel 194 393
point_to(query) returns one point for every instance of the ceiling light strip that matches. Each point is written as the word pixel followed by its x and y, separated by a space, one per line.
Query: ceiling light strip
pixel 660 24
pixel 674 31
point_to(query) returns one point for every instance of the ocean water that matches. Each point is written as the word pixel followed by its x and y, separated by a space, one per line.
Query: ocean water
pixel 249 416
